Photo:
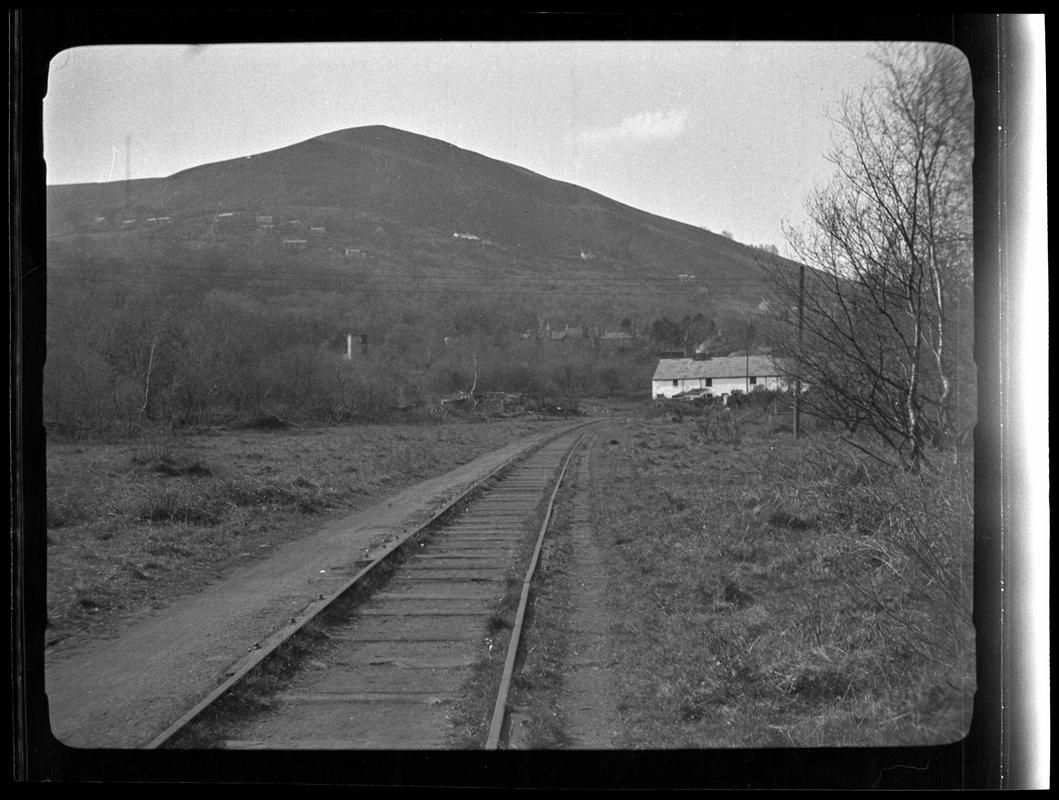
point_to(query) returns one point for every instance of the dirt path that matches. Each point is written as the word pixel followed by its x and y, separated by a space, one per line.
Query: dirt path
pixel 588 702
pixel 120 693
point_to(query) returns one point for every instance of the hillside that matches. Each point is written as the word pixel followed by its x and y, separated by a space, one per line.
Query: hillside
pixel 399 199
pixel 235 290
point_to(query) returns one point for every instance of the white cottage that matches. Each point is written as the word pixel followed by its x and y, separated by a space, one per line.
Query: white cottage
pixel 716 377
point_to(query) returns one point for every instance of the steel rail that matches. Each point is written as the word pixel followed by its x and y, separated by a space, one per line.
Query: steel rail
pixel 500 709
pixel 264 649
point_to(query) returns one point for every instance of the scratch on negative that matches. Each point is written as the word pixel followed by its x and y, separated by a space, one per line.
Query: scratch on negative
pixel 899 766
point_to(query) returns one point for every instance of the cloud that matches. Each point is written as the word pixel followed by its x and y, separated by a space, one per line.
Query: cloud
pixel 647 126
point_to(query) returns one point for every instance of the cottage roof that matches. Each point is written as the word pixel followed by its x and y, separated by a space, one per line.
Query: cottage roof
pixel 727 367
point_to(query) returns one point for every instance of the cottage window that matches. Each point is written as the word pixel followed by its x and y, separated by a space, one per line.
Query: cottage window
pixel 675 383
pixel 709 381
pixel 753 380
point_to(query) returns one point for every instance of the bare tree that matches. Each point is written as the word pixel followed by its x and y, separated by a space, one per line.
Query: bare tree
pixel 141 344
pixel 887 306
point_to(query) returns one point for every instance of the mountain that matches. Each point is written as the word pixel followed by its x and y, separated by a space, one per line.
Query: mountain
pixel 413 205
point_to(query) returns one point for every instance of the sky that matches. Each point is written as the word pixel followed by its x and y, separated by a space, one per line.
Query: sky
pixel 729 136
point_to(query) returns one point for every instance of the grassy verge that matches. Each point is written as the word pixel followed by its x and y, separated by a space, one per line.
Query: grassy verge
pixel 785 593
pixel 133 525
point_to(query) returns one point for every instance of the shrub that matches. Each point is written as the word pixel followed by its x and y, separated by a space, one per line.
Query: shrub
pixel 176 506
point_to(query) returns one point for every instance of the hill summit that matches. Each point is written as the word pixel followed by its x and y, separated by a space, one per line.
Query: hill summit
pixel 391 193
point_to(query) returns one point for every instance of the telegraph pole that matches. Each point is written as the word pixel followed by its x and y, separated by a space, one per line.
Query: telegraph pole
pixel 798 377
pixel 748 356
pixel 128 171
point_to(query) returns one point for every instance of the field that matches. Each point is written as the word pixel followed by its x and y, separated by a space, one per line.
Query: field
pixel 134 524
pixel 790 593
pixel 761 592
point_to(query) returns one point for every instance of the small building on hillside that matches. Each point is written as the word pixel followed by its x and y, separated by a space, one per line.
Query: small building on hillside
pixel 567 334
pixel 716 377
pixel 295 244
pixel 617 340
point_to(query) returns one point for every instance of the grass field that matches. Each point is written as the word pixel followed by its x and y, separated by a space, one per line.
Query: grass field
pixel 773 592
pixel 134 524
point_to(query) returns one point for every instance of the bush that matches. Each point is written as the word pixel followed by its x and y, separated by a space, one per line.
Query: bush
pixel 176 506
pixel 717 424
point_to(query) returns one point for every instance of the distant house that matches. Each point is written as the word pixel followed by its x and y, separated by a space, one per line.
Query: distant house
pixel 566 334
pixel 316 229
pixel 361 339
pixel 264 221
pixel 468 236
pixel 295 244
pixel 685 277
pixel 618 340
pixel 670 352
pixel 354 252
pixel 716 377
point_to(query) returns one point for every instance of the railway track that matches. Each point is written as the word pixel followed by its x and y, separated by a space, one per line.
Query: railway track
pixel 386 665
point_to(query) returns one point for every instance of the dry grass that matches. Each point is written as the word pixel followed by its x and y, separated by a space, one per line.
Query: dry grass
pixel 132 525
pixel 788 593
